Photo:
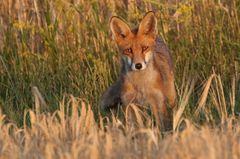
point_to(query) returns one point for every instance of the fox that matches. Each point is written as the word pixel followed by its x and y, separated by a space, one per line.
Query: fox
pixel 147 69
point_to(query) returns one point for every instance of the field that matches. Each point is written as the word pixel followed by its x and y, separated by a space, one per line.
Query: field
pixel 57 58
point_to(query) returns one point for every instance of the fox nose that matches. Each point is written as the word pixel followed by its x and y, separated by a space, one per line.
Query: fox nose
pixel 138 66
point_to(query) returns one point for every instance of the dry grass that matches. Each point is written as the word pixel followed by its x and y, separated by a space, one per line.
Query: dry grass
pixel 79 135
pixel 73 132
pixel 64 47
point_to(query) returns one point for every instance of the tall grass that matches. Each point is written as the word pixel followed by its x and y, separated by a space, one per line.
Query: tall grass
pixel 79 135
pixel 57 58
pixel 64 47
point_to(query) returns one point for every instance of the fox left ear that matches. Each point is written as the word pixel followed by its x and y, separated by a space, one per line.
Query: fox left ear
pixel 148 25
pixel 119 28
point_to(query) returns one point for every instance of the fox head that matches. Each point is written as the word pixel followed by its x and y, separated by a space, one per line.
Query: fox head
pixel 136 46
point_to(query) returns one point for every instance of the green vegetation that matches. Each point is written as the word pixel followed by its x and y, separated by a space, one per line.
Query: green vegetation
pixel 57 58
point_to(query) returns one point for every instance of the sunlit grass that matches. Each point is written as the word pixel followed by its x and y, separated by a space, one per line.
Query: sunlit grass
pixel 73 132
pixel 65 46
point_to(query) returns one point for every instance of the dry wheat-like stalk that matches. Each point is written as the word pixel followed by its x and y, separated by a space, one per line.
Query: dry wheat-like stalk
pixel 79 135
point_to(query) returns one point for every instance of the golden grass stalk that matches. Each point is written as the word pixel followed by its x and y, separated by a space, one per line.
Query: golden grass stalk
pixel 187 87
pixel 204 95
pixel 78 135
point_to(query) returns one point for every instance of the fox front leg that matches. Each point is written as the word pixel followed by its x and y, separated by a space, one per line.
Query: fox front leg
pixel 128 93
pixel 111 97
pixel 160 111
pixel 128 96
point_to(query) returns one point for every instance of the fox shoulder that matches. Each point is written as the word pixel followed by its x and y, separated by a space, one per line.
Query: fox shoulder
pixel 163 53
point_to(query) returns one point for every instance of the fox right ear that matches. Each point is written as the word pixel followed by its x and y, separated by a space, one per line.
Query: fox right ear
pixel 148 25
pixel 119 28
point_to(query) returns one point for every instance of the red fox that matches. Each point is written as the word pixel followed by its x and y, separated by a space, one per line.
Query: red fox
pixel 147 72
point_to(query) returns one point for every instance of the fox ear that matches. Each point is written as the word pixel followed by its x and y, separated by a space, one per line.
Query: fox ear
pixel 148 25
pixel 119 28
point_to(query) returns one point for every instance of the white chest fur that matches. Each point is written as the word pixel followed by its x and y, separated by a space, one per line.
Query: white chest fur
pixel 143 82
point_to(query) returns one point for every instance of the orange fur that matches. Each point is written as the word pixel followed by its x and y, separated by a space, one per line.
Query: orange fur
pixel 147 74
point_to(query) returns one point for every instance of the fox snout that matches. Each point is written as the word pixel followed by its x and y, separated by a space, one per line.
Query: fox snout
pixel 135 65
pixel 138 63
pixel 138 66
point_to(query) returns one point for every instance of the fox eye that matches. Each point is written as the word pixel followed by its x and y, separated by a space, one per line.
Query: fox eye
pixel 127 51
pixel 144 48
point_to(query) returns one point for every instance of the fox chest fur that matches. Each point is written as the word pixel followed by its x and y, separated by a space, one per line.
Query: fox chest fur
pixel 140 86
